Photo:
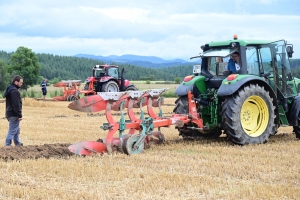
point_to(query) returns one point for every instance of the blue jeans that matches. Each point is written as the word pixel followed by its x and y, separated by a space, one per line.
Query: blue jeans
pixel 13 131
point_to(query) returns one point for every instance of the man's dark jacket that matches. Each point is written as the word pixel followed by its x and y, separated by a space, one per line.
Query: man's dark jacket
pixel 13 102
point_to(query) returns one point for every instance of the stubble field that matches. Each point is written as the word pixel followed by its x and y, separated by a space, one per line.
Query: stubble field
pixel 203 169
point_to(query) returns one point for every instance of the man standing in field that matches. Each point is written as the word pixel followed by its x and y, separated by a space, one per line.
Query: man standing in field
pixel 13 111
pixel 44 88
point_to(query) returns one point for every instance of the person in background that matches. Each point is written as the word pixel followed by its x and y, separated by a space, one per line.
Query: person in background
pixel 233 63
pixel 44 88
pixel 13 111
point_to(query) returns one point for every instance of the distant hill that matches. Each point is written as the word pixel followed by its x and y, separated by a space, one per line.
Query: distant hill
pixel 143 61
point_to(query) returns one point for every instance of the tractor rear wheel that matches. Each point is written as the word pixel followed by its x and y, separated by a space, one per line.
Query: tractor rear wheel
pixel 297 128
pixel 248 116
pixel 131 88
pixel 182 107
pixel 86 86
pixel 110 86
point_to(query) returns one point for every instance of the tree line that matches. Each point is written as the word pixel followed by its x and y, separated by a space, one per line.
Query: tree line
pixel 34 67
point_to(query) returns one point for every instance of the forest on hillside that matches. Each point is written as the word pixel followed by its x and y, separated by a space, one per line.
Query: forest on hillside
pixel 69 67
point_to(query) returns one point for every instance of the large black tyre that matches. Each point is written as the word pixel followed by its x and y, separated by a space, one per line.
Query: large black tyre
pixel 110 86
pixel 248 116
pixel 86 86
pixel 297 128
pixel 131 88
pixel 182 107
pixel 297 131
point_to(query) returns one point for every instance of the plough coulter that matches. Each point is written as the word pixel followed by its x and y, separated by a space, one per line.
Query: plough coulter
pixel 141 130
pixel 71 90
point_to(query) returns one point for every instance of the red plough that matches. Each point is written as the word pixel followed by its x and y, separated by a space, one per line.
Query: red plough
pixel 132 142
pixel 71 90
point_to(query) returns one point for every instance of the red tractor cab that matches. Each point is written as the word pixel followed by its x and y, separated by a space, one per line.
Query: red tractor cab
pixel 106 78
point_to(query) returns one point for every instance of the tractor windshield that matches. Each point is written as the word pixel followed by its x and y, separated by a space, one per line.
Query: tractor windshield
pixel 218 52
pixel 217 59
pixel 99 72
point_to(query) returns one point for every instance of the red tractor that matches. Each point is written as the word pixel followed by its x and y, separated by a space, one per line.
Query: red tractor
pixel 105 78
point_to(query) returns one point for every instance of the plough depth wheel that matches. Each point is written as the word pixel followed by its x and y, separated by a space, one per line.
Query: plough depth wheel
pixel 130 145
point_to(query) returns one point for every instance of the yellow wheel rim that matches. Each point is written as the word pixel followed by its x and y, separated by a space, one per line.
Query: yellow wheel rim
pixel 254 116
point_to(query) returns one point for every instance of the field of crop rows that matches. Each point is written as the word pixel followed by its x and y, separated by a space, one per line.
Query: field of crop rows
pixel 204 169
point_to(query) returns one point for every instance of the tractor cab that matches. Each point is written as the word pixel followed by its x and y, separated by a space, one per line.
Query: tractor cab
pixel 100 71
pixel 214 67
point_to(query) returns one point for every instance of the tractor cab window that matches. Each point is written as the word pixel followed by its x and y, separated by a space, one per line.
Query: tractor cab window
pixel 252 61
pixel 266 60
pixel 99 73
pixel 217 65
pixel 113 72
pixel 218 60
pixel 281 75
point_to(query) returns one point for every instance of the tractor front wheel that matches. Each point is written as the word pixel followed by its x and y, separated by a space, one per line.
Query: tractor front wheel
pixel 110 86
pixel 248 116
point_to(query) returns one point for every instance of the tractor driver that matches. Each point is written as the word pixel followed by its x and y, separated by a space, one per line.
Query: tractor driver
pixel 233 63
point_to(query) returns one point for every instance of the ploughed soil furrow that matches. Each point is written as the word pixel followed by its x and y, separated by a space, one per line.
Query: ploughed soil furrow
pixel 35 151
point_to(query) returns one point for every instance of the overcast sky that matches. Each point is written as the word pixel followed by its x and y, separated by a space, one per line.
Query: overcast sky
pixel 167 29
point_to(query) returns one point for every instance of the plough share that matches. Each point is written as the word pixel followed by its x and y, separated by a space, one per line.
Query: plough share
pixel 132 142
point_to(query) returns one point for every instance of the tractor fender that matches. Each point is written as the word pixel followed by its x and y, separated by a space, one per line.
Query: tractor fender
pixel 182 90
pixel 294 111
pixel 229 89
pixel 196 85
pixel 106 78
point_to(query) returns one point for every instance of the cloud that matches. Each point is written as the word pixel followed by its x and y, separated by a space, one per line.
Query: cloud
pixel 166 29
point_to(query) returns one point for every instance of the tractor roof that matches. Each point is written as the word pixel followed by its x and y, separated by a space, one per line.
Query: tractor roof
pixel 105 66
pixel 240 41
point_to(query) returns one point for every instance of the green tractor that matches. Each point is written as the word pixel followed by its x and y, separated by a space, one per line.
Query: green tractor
pixel 248 105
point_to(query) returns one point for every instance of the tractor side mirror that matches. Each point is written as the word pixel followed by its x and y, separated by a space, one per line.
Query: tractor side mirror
pixel 290 51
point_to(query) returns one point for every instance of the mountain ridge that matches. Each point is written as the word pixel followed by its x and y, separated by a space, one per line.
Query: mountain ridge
pixel 144 61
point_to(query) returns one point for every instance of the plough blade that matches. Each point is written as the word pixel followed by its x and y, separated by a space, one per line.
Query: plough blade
pixel 96 147
pixel 59 98
pixel 79 149
pixel 92 103
pixel 97 103
pixel 86 148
